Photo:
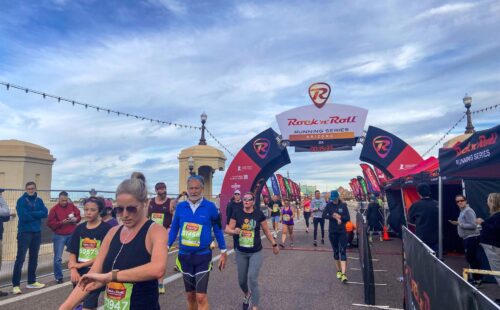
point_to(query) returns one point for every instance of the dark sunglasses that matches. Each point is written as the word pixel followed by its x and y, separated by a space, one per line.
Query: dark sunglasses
pixel 461 200
pixel 247 199
pixel 130 209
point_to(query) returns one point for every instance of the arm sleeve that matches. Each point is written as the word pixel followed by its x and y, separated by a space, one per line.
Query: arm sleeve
pixel 74 243
pixel 41 211
pixel 52 221
pixel 78 216
pixel 327 213
pixel 219 235
pixel 4 208
pixel 174 228
pixel 469 220
pixel 346 217
pixel 23 214
pixel 412 216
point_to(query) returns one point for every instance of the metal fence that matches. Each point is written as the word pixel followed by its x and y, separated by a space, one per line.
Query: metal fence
pixel 45 256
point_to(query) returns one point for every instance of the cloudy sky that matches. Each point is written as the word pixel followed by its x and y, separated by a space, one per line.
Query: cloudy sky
pixel 408 62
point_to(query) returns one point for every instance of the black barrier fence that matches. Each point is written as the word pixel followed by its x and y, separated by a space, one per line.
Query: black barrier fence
pixel 365 259
pixel 430 284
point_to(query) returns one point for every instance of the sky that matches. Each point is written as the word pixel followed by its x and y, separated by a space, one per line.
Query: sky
pixel 409 63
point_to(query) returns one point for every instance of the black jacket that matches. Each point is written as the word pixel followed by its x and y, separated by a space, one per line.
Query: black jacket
pixel 490 234
pixel 231 207
pixel 374 216
pixel 341 209
pixel 424 213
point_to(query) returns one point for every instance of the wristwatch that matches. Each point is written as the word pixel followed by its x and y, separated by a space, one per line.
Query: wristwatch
pixel 275 245
pixel 114 275
pixel 223 251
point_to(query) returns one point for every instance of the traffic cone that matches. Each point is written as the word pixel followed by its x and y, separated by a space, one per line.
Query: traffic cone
pixel 386 234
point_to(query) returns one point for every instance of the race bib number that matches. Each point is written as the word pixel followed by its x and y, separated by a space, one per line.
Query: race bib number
pixel 276 208
pixel 157 218
pixel 88 249
pixel 286 217
pixel 117 296
pixel 246 239
pixel 191 234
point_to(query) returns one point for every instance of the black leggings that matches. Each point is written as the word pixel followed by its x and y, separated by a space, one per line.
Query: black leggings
pixel 339 245
pixel 307 215
pixel 321 223
pixel 472 254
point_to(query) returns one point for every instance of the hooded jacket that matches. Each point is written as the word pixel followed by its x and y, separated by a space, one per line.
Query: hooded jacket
pixel 30 211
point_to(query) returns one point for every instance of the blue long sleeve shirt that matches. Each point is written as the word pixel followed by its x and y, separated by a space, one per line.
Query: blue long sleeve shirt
pixel 30 211
pixel 195 229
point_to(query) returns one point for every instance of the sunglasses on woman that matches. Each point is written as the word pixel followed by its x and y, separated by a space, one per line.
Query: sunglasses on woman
pixel 248 199
pixel 130 209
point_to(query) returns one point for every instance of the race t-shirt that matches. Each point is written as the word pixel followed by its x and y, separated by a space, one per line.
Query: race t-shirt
pixel 307 206
pixel 85 243
pixel 160 213
pixel 249 239
pixel 275 207
pixel 318 205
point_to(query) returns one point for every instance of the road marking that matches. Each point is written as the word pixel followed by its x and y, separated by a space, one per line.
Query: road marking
pixel 375 306
pixel 361 283
pixel 373 259
pixel 36 293
pixel 375 270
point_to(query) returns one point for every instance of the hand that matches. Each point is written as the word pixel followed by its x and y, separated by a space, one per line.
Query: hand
pixel 479 221
pixel 339 221
pixel 453 222
pixel 75 276
pixel 222 261
pixel 66 221
pixel 237 231
pixel 93 281
pixel 276 250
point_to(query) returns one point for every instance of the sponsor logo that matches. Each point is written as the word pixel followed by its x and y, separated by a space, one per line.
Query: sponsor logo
pixel 482 142
pixel 261 146
pixel 382 145
pixel 89 243
pixel 331 120
pixel 116 291
pixel 192 227
pixel 235 186
pixel 319 93
pixel 407 166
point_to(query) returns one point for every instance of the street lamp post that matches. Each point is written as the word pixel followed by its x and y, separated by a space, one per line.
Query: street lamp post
pixel 191 165
pixel 467 103
pixel 203 121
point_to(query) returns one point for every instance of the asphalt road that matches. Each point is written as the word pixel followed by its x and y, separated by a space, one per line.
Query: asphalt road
pixel 299 278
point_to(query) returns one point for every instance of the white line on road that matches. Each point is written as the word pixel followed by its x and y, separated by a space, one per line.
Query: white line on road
pixel 36 293
pixel 360 283
pixel 375 306
pixel 373 259
pixel 375 270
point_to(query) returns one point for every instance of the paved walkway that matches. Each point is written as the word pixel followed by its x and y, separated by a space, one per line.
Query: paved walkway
pixel 299 278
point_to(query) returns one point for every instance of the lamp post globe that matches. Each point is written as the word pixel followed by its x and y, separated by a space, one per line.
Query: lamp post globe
pixel 190 165
pixel 467 100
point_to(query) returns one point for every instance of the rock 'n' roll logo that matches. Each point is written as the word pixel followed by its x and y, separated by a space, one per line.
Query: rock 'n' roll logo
pixel 261 146
pixel 319 93
pixel 382 145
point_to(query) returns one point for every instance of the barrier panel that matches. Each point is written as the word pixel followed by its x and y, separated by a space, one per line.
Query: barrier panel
pixel 365 259
pixel 430 284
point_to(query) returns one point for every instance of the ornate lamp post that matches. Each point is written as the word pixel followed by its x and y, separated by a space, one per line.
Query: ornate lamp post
pixel 191 165
pixel 203 121
pixel 467 103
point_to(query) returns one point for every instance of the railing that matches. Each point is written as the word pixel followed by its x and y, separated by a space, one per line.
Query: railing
pixel 365 259
pixel 45 256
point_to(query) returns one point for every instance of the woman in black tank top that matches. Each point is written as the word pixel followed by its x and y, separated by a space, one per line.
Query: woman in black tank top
pixel 131 258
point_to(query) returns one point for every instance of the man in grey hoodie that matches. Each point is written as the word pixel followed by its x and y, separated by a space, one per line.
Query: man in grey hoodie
pixel 467 230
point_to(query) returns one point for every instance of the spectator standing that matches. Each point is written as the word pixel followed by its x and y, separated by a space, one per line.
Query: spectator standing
pixel 233 205
pixel 30 210
pixel 4 217
pixel 490 233
pixel 424 214
pixel 374 218
pixel 63 218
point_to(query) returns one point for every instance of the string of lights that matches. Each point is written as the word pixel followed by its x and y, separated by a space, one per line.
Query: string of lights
pixel 438 142
pixel 46 95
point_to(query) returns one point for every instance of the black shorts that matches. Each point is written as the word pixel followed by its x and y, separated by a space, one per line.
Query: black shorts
pixel 195 269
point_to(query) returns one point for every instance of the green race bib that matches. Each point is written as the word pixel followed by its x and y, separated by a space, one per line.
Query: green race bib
pixel 191 233
pixel 246 238
pixel 158 217
pixel 88 249
pixel 276 208
pixel 117 296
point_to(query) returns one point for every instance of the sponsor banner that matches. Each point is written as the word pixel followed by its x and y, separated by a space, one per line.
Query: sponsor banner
pixel 476 157
pixel 354 190
pixel 281 182
pixel 274 185
pixel 371 178
pixel 322 148
pixel 388 153
pixel 329 123
pixel 265 190
pixel 381 176
pixel 359 191
pixel 363 186
pixel 287 186
pixel 252 165
pixel 430 284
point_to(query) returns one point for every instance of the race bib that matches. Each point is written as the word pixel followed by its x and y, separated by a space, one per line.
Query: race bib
pixel 246 238
pixel 191 234
pixel 276 208
pixel 88 249
pixel 117 296
pixel 286 217
pixel 158 218
pixel 307 208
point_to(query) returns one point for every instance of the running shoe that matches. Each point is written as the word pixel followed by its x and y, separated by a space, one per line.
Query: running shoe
pixel 307 230
pixel 291 244
pixel 339 274
pixel 35 285
pixel 322 241
pixel 16 290
pixel 59 281
pixel 246 302
pixel 315 243
pixel 343 279
pixel 161 288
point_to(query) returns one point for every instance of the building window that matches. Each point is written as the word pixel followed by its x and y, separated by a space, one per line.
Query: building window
pixel 37 179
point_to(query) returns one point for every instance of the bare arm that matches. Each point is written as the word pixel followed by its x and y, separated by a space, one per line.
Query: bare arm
pixel 230 228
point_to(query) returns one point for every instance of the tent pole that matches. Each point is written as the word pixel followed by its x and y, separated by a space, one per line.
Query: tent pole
pixel 404 207
pixel 440 218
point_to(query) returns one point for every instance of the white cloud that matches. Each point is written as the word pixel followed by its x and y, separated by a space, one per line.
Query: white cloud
pixel 446 9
